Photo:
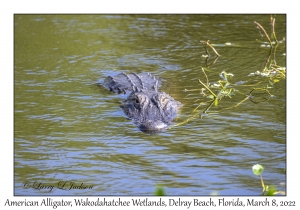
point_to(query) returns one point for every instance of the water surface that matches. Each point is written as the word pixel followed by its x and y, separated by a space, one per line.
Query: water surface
pixel 68 129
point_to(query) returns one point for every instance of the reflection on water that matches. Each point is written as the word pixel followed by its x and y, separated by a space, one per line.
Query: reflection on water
pixel 68 130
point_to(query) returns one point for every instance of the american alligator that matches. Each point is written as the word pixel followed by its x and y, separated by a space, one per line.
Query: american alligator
pixel 150 110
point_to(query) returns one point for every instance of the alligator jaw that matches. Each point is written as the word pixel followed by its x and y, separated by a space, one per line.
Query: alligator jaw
pixel 152 127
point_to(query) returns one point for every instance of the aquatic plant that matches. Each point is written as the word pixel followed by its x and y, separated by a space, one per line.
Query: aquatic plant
pixel 159 190
pixel 206 43
pixel 215 91
pixel 223 89
pixel 270 69
pixel 266 190
pixel 263 32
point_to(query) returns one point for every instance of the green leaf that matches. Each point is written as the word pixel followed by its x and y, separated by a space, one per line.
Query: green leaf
pixel 211 97
pixel 159 191
pixel 271 190
pixel 226 85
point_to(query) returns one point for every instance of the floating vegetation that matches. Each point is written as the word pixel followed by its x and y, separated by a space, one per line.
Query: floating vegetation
pixel 271 70
pixel 266 190
pixel 223 88
pixel 263 32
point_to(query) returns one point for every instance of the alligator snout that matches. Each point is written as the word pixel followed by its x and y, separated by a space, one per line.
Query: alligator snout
pixel 151 126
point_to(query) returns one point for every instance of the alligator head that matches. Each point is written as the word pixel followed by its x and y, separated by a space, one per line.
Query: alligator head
pixel 151 111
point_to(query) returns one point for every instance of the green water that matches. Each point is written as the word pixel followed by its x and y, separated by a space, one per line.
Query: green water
pixel 67 129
